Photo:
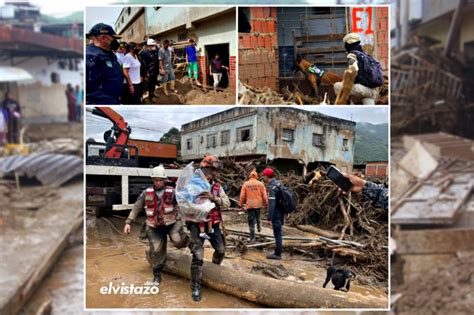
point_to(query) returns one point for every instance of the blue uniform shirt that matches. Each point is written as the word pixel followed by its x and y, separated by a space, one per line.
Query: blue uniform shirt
pixel 104 77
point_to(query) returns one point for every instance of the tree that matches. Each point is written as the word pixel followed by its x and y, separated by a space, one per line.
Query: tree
pixel 173 136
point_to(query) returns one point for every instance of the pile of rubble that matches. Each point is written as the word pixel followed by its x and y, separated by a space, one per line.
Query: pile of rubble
pixel 254 96
pixel 348 226
pixel 429 90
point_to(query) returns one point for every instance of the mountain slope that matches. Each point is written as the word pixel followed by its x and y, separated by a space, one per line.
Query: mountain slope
pixel 371 143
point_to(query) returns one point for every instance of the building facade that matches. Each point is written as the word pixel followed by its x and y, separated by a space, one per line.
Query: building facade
pixel 131 24
pixel 287 135
pixel 376 168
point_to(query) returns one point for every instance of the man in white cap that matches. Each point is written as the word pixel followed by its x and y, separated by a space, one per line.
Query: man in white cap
pixel 162 219
pixel 369 76
pixel 149 58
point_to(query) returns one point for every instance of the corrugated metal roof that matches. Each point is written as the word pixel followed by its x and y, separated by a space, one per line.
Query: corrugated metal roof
pixel 50 169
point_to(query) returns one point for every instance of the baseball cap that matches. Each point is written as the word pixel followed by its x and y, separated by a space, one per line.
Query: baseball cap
pixel 351 38
pixel 103 29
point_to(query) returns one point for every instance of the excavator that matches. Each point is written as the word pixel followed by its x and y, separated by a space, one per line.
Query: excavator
pixel 119 169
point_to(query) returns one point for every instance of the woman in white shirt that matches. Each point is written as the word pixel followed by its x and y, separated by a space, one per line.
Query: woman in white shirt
pixel 131 72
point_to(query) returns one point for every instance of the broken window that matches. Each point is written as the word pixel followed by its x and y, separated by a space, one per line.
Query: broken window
pixel 318 140
pixel 244 20
pixel 225 137
pixel 244 133
pixel 189 144
pixel 288 135
pixel 345 144
pixel 211 141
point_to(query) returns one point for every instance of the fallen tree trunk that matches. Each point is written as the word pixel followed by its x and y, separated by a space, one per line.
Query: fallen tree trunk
pixel 317 231
pixel 268 291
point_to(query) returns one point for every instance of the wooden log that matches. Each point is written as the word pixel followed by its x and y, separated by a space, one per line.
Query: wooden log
pixel 268 291
pixel 317 231
pixel 347 85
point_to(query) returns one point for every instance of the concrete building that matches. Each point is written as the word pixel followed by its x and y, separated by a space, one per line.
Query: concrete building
pixel 213 28
pixel 270 38
pixel 52 60
pixel 131 24
pixel 290 137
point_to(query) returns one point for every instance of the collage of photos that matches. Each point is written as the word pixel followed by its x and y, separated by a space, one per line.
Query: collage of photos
pixel 236 156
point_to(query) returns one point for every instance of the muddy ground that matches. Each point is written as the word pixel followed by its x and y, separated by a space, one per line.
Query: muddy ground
pixel 189 94
pixel 39 132
pixel 114 257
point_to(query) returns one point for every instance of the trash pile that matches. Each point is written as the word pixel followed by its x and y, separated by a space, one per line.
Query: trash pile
pixel 430 91
pixel 347 225
pixel 254 96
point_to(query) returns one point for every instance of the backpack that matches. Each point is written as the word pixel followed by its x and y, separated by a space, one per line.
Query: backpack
pixel 370 71
pixel 286 199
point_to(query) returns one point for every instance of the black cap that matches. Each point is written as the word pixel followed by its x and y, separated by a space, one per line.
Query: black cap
pixel 103 29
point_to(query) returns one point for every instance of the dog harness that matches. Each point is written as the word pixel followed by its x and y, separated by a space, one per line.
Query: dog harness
pixel 316 71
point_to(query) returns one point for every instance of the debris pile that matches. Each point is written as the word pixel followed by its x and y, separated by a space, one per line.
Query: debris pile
pixel 192 95
pixel 429 91
pixel 347 225
pixel 254 96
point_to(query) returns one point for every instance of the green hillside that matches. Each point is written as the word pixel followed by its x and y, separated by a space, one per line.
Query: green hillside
pixel 77 17
pixel 371 143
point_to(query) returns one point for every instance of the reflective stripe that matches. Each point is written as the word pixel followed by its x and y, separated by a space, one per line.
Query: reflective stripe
pixel 271 198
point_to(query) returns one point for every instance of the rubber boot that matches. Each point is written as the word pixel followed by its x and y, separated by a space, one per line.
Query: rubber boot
pixel 172 87
pixel 195 285
pixel 156 276
pixel 165 89
pixel 252 235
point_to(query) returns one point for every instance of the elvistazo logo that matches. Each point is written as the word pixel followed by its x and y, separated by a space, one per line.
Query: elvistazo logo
pixel 146 289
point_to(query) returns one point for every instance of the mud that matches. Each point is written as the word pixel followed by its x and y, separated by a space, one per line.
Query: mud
pixel 192 95
pixel 445 290
pixel 41 132
pixel 115 258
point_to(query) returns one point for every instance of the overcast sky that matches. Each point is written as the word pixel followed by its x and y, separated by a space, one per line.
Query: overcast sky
pixel 107 15
pixel 150 123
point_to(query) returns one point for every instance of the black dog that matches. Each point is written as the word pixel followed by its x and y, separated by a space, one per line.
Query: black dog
pixel 341 278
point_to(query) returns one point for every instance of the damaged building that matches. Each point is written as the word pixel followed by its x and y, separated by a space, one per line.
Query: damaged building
pixel 213 28
pixel 50 51
pixel 291 138
pixel 271 37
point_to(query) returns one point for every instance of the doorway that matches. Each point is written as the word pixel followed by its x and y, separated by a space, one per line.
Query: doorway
pixel 223 51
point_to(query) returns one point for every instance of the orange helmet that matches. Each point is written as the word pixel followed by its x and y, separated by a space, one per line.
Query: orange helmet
pixel 210 161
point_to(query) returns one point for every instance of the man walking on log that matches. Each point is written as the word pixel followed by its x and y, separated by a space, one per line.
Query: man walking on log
pixel 209 167
pixel 275 214
pixel 253 196
pixel 162 220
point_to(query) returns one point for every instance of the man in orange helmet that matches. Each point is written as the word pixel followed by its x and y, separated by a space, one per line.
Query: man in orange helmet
pixel 209 166
pixel 253 196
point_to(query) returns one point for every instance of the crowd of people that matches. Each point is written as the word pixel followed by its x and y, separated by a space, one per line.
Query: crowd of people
pixel 119 72
pixel 163 218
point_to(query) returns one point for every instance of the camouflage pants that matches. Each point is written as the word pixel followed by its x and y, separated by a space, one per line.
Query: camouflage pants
pixel 196 244
pixel 157 238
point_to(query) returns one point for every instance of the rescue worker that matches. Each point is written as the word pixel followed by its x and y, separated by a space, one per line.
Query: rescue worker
pixel 150 63
pixel 162 219
pixel 376 193
pixel 275 214
pixel 369 76
pixel 253 196
pixel 104 78
pixel 209 166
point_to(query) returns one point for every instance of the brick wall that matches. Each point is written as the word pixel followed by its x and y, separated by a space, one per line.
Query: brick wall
pixel 382 36
pixel 203 78
pixel 232 69
pixel 258 50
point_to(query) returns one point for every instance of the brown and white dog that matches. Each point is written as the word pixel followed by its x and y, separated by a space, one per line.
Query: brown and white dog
pixel 327 77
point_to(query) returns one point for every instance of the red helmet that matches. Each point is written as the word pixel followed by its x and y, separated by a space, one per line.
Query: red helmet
pixel 210 161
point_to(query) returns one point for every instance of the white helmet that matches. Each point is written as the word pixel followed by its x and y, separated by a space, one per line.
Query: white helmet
pixel 351 38
pixel 151 42
pixel 158 172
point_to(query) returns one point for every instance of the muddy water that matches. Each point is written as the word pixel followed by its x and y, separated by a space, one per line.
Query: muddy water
pixel 120 260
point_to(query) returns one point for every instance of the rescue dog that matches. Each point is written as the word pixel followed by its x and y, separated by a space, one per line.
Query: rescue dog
pixel 341 278
pixel 314 75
